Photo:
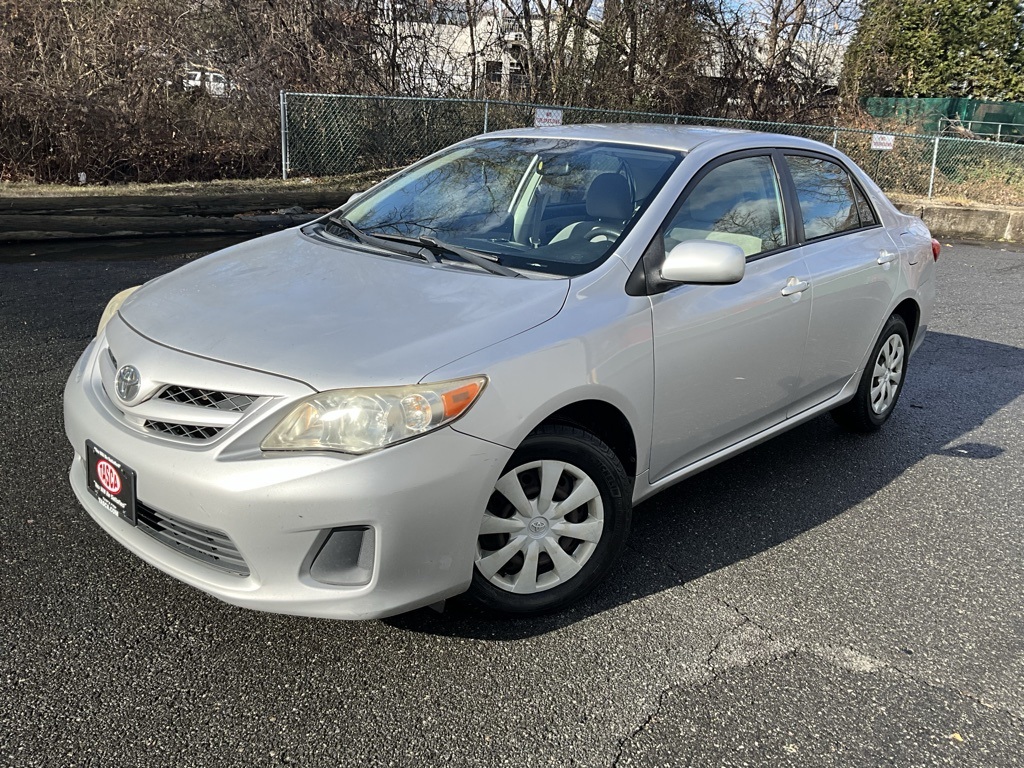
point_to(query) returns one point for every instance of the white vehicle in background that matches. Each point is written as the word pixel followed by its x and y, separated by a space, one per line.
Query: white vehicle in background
pixel 214 83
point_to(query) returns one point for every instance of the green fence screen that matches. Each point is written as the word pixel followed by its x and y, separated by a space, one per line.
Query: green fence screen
pixel 1001 120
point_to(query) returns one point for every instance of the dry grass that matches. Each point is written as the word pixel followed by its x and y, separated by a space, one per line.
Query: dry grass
pixel 956 200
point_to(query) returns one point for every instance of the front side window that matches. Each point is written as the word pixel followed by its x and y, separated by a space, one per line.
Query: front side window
pixel 827 197
pixel 548 205
pixel 738 202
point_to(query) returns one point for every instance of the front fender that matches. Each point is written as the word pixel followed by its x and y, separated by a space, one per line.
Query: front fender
pixel 599 347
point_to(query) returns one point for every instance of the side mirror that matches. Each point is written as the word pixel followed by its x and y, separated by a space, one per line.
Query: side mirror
pixel 353 197
pixel 704 261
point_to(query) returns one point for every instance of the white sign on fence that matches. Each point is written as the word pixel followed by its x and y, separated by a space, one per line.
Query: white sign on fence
pixel 543 118
pixel 884 141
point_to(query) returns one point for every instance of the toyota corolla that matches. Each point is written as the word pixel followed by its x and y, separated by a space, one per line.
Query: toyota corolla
pixel 463 380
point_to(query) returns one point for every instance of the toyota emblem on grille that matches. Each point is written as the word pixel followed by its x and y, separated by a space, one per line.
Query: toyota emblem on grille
pixel 126 383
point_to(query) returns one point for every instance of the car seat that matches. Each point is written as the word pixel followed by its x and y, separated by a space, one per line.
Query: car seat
pixel 609 206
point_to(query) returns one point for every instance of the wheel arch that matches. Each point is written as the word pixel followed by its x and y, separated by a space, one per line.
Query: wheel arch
pixel 604 421
pixel 910 311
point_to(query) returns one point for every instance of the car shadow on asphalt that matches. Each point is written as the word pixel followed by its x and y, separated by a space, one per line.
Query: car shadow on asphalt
pixel 781 489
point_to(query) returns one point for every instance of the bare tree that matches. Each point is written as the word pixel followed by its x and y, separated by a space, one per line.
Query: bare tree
pixel 97 88
pixel 100 87
pixel 776 59
pixel 649 56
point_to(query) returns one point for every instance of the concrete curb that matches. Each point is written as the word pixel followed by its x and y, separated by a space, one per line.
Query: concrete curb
pixel 976 222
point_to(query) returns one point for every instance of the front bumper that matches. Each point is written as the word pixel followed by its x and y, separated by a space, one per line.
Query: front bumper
pixel 423 500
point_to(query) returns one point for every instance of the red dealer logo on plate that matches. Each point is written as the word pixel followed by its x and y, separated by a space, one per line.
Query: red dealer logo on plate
pixel 108 476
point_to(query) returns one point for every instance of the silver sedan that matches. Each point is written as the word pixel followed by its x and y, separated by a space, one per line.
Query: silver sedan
pixel 464 379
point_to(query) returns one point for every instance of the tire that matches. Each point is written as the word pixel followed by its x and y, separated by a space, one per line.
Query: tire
pixel 526 560
pixel 882 381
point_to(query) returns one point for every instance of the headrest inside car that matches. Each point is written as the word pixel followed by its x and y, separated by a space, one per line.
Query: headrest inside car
pixel 608 198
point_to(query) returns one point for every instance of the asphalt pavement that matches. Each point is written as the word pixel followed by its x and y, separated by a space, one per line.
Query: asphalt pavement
pixel 823 600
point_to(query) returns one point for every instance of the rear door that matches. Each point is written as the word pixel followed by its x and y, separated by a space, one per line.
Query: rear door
pixel 854 269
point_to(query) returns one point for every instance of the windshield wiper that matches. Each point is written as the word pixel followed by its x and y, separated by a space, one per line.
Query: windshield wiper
pixel 423 247
pixel 485 262
pixel 365 238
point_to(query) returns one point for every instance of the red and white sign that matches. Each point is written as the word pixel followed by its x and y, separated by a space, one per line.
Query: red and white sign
pixel 108 476
pixel 544 118
pixel 883 141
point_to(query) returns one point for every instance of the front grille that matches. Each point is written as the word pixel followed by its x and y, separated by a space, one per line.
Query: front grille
pixel 188 431
pixel 207 545
pixel 207 398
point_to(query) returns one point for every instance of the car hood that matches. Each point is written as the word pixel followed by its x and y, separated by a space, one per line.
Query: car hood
pixel 332 316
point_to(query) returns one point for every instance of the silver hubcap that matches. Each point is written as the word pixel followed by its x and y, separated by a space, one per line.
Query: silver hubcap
pixel 888 373
pixel 542 524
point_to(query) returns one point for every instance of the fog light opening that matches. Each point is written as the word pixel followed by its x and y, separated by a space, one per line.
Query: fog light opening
pixel 346 557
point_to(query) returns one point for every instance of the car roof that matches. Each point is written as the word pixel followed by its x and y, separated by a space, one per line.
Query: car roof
pixel 683 138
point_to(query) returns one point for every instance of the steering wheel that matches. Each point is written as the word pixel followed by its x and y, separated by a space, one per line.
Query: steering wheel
pixel 597 232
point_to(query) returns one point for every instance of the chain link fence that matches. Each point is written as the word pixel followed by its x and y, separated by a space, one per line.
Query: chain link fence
pixel 327 134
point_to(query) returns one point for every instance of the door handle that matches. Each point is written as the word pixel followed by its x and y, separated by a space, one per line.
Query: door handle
pixel 795 286
pixel 885 257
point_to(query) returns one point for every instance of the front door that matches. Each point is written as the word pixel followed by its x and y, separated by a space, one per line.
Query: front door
pixel 727 357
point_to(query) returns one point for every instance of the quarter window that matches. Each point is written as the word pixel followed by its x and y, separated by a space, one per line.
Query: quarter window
pixel 737 202
pixel 867 216
pixel 829 200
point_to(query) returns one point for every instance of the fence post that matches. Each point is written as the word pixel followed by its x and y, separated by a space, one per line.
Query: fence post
pixel 835 137
pixel 935 158
pixel 487 105
pixel 284 137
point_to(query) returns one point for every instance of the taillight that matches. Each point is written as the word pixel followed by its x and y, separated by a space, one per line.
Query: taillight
pixel 936 247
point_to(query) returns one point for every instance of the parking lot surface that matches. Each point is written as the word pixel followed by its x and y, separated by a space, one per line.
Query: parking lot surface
pixel 823 600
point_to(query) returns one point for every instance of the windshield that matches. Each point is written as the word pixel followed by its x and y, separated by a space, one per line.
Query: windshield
pixel 546 205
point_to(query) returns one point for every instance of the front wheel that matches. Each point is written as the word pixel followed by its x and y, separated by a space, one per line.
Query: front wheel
pixel 882 382
pixel 556 522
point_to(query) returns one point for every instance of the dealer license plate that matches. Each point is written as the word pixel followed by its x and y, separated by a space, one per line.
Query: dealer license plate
pixel 111 482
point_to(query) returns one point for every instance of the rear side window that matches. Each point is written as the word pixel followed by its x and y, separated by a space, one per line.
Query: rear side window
pixel 827 197
pixel 737 202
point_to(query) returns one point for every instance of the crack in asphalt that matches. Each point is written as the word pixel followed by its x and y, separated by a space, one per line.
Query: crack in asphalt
pixel 846 658
pixel 826 654
pixel 643 726
pixel 862 663
pixel 713 671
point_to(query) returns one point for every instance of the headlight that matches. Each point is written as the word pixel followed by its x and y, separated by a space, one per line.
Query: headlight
pixel 364 420
pixel 113 305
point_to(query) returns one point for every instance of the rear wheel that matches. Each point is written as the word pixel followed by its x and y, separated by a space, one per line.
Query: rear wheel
pixel 882 381
pixel 557 520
